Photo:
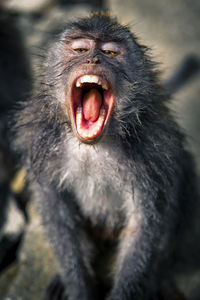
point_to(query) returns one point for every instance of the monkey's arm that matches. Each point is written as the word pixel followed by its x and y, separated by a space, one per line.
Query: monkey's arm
pixel 59 220
pixel 140 251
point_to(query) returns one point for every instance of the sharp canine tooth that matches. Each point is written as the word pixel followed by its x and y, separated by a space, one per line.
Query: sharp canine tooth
pixel 104 86
pixel 78 84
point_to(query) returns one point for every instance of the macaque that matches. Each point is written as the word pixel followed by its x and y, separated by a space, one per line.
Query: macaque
pixel 108 164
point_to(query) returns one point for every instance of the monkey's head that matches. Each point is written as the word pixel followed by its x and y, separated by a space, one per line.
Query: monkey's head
pixel 96 69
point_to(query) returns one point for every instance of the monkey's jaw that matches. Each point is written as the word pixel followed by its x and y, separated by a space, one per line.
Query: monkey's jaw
pixel 92 102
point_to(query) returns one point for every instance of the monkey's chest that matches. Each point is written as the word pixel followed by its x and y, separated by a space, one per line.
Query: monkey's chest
pixel 101 182
pixel 103 200
pixel 101 185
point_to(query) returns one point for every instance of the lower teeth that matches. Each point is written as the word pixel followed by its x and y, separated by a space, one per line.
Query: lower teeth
pixel 84 132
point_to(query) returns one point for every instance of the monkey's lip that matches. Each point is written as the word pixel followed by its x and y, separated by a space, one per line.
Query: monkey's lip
pixel 92 103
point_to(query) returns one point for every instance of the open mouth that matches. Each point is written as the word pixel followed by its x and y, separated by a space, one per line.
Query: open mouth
pixel 92 103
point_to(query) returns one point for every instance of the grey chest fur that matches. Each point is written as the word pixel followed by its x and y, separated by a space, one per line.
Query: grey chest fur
pixel 100 181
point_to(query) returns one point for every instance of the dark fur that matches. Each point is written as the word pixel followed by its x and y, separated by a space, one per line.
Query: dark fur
pixel 113 210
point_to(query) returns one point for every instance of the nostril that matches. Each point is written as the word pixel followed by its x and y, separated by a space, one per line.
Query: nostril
pixel 88 61
pixel 94 60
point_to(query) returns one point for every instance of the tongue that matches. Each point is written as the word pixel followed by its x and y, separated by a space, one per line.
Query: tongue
pixel 91 105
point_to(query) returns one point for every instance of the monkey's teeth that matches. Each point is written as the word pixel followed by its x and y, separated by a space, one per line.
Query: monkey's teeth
pixel 91 79
pixel 102 113
pixel 94 129
pixel 79 111
pixel 105 86
pixel 78 84
pixel 79 116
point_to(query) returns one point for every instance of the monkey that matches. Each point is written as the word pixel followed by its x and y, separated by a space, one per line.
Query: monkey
pixel 188 68
pixel 107 162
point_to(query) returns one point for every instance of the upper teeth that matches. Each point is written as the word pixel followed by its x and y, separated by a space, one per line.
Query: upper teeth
pixel 91 79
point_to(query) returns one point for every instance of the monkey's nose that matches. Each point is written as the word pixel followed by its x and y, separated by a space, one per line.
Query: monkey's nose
pixel 94 60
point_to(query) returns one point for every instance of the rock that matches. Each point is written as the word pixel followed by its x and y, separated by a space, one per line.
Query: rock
pixel 11 231
pixel 28 278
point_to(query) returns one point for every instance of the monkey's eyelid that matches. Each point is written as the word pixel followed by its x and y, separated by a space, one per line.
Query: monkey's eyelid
pixel 80 50
pixel 111 46
pixel 109 52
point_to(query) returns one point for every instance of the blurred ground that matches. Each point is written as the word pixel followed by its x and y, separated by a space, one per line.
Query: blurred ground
pixel 172 30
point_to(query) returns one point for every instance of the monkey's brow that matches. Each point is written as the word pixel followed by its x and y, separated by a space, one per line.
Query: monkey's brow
pixel 94 37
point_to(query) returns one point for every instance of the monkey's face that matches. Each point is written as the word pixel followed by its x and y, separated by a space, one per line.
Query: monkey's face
pixel 100 75
pixel 91 88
